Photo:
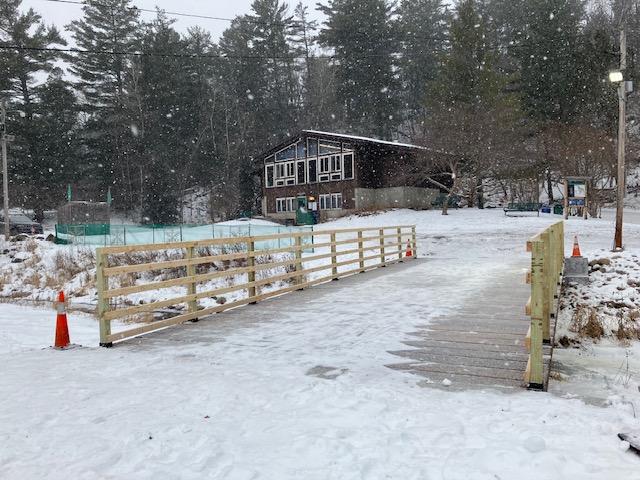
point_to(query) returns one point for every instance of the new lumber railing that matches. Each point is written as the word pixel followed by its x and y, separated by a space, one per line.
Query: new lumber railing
pixel 547 261
pixel 246 269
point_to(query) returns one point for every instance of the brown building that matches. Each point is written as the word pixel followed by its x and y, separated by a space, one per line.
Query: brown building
pixel 337 174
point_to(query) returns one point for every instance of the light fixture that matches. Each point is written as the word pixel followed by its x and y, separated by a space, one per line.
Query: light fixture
pixel 615 76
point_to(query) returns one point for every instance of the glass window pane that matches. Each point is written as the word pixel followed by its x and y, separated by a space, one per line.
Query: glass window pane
pixel 327 146
pixel 313 171
pixel 269 175
pixel 348 165
pixel 286 154
pixel 302 149
pixel 313 147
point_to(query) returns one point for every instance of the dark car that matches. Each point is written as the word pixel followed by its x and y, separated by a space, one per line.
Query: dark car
pixel 20 223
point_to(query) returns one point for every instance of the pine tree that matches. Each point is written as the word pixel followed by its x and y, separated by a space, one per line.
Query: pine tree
pixel 476 117
pixel 423 31
pixel 363 40
pixel 25 41
pixel 547 44
pixel 106 36
pixel 48 149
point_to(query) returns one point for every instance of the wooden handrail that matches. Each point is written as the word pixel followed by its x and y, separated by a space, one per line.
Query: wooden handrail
pixel 547 262
pixel 248 268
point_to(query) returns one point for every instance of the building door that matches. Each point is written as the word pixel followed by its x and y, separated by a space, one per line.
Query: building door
pixel 304 216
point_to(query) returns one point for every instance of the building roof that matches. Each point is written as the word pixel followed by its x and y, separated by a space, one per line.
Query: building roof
pixel 342 137
pixel 354 138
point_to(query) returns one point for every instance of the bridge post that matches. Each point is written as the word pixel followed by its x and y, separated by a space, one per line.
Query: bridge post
pixel 361 250
pixel 103 303
pixel 251 274
pixel 536 381
pixel 299 260
pixel 547 278
pixel 191 286
pixel 334 257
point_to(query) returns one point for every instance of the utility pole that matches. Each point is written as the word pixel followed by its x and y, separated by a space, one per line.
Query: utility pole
pixel 622 112
pixel 5 174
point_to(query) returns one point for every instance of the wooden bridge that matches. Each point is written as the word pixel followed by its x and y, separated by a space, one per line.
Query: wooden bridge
pixel 480 337
pixel 491 341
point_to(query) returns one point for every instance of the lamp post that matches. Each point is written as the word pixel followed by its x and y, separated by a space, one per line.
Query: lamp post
pixel 617 77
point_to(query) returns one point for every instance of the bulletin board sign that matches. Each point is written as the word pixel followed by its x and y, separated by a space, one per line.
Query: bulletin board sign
pixel 575 196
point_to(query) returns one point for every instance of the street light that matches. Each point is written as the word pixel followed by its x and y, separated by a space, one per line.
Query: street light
pixel 4 138
pixel 616 76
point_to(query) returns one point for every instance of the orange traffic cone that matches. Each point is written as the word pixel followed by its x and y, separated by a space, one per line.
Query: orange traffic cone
pixel 576 248
pixel 409 252
pixel 62 329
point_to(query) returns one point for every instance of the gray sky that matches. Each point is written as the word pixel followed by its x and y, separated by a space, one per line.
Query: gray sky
pixel 60 14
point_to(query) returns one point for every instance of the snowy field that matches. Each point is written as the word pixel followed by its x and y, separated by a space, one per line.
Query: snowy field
pixel 255 405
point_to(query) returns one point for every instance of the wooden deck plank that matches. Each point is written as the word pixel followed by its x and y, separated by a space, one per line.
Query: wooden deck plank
pixel 478 345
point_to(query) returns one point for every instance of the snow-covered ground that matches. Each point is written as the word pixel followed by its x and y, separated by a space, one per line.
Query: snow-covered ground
pixel 260 403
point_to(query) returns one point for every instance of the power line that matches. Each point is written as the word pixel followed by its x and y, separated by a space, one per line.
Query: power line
pixel 221 55
pixel 154 54
pixel 177 14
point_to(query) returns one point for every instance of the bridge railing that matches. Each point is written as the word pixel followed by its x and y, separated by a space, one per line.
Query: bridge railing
pixel 189 280
pixel 547 262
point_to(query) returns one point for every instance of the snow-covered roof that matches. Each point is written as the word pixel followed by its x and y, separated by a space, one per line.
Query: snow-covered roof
pixel 355 138
pixel 341 136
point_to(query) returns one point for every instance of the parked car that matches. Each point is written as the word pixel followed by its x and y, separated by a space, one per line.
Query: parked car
pixel 20 223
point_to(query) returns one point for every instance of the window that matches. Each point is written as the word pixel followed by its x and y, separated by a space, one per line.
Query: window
pixel 300 177
pixel 336 201
pixel 302 149
pixel 335 163
pixel 324 165
pixel 324 169
pixel 336 167
pixel 313 171
pixel 327 146
pixel 331 201
pixel 285 174
pixel 285 204
pixel 348 165
pixel 313 147
pixel 269 175
pixel 288 153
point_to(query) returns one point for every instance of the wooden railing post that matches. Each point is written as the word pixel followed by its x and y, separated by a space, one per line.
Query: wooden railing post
pixel 103 303
pixel 361 250
pixel 536 381
pixel 334 257
pixel 399 243
pixel 251 274
pixel 383 257
pixel 191 286
pixel 415 242
pixel 560 252
pixel 547 296
pixel 299 261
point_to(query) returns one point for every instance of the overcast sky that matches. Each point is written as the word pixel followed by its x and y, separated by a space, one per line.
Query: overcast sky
pixel 60 14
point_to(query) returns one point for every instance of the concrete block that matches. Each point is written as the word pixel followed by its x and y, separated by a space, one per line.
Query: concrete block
pixel 576 269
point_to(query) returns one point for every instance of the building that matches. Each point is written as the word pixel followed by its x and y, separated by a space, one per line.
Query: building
pixel 336 174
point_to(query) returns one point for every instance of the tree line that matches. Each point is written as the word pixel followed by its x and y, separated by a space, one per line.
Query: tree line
pixel 512 90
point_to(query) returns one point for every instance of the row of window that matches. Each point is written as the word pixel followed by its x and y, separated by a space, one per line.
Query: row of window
pixel 328 201
pixel 310 170
pixel 309 147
